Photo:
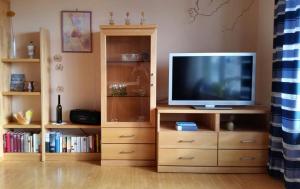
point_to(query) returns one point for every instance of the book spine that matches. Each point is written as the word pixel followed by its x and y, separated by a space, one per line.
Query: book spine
pixel 88 144
pixel 184 128
pixel 78 147
pixel 22 142
pixel 60 144
pixel 4 143
pixel 52 142
pixel 91 149
pixel 64 144
pixel 38 143
pixel 73 144
pixel 30 143
pixel 33 142
pixel 47 142
pixel 8 147
pixel 69 144
pixel 15 144
pixel 26 149
pixel 83 144
pixel 57 140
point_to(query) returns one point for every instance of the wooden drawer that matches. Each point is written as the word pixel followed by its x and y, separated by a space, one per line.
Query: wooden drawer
pixel 187 157
pixel 243 140
pixel 243 157
pixel 179 139
pixel 128 151
pixel 128 135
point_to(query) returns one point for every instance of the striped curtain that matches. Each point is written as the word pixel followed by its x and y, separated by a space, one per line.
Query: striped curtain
pixel 284 151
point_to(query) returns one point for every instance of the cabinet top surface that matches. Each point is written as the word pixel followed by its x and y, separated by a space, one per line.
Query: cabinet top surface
pixel 149 26
pixel 257 109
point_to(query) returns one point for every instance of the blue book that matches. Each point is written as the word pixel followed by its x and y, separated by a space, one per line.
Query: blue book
pixel 186 128
pixel 186 123
pixel 52 142
pixel 57 142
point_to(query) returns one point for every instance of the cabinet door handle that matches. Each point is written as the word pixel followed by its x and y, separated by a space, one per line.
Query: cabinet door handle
pixel 186 158
pixel 247 158
pixel 126 136
pixel 247 141
pixel 186 141
pixel 127 152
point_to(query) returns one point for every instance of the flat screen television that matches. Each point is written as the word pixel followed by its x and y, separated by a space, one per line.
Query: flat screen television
pixel 212 79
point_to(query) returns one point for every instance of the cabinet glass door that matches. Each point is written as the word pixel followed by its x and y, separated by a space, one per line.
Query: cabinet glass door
pixel 128 78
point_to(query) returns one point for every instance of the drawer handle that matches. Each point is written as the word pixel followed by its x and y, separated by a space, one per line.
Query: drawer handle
pixel 186 158
pixel 129 152
pixel 127 136
pixel 248 141
pixel 186 141
pixel 247 158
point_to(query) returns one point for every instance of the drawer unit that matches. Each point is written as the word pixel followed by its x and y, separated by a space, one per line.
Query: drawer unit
pixel 128 135
pixel 243 140
pixel 179 139
pixel 242 157
pixel 187 157
pixel 128 151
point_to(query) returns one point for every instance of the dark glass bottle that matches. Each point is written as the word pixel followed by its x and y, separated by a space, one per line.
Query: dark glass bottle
pixel 58 111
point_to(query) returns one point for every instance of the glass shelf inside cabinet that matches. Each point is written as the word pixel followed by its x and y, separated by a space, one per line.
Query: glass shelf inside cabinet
pixel 128 79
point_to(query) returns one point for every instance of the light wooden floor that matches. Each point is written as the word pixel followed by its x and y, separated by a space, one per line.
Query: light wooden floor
pixel 88 175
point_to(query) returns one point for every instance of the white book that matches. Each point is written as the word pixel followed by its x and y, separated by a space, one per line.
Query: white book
pixel 34 142
pixel 88 144
pixel 26 146
pixel 30 143
pixel 83 144
pixel 78 144
pixel 73 144
pixel 68 144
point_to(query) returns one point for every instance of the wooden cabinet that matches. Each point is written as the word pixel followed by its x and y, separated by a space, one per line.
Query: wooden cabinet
pixel 213 149
pixel 128 90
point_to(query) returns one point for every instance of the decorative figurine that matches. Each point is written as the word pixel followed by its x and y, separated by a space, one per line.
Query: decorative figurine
pixel 127 20
pixel 142 18
pixel 30 86
pixel 111 20
pixel 30 50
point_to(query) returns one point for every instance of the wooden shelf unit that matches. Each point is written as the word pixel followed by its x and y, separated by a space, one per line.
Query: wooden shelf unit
pixel 41 64
pixel 131 116
pixel 213 149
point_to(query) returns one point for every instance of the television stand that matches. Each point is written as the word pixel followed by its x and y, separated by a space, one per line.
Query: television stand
pixel 212 107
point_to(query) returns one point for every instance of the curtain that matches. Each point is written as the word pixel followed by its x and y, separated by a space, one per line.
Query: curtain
pixel 284 151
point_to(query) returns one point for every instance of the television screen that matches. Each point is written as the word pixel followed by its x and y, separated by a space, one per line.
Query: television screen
pixel 212 79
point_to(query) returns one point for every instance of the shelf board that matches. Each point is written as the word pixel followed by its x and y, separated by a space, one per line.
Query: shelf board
pixel 72 126
pixel 21 156
pixel 15 93
pixel 20 60
pixel 34 125
pixel 73 156
pixel 128 96
pixel 167 126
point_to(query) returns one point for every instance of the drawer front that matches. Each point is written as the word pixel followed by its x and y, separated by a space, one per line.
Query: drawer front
pixel 243 140
pixel 178 139
pixel 187 157
pixel 128 135
pixel 128 151
pixel 243 157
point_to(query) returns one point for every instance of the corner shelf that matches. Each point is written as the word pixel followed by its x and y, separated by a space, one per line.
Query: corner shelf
pixel 34 125
pixel 20 60
pixel 14 93
pixel 72 126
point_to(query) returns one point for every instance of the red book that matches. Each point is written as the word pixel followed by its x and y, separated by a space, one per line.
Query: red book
pixel 15 142
pixel 8 142
pixel 11 142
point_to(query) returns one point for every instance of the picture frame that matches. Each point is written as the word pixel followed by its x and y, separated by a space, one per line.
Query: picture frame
pixel 76 31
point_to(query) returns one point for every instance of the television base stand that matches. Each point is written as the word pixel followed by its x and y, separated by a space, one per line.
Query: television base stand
pixel 212 107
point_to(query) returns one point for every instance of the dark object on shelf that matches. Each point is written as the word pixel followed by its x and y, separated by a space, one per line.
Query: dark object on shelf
pixel 88 117
pixel 58 111
pixel 17 82
pixel 30 86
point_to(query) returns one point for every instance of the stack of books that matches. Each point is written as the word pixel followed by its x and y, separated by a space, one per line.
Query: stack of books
pixel 186 126
pixel 56 142
pixel 21 142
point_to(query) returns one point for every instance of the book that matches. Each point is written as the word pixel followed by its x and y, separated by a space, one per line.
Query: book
pixel 64 144
pixel 68 144
pixel 26 146
pixel 186 128
pixel 8 148
pixel 60 143
pixel 22 142
pixel 52 142
pixel 73 144
pixel 4 143
pixel 18 140
pixel 57 142
pixel 78 144
pixel 47 142
pixel 186 123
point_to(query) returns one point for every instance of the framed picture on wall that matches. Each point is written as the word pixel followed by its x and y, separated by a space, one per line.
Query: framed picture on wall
pixel 76 31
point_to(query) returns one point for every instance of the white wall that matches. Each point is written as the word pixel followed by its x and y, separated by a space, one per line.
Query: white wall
pixel 81 75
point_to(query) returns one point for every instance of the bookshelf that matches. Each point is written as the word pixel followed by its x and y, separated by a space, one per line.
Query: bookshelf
pixel 38 100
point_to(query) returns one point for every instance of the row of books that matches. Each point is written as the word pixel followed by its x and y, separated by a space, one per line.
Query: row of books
pixel 56 142
pixel 21 142
pixel 186 126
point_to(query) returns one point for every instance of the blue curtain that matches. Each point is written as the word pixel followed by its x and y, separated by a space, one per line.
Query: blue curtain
pixel 284 151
